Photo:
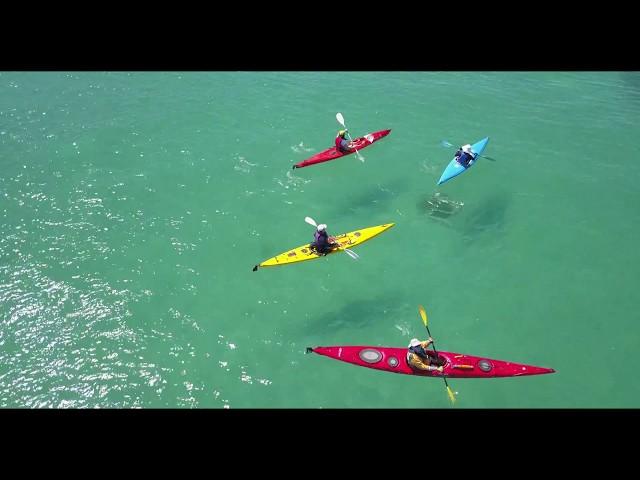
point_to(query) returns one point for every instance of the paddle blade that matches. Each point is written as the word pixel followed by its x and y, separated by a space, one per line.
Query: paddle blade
pixel 353 255
pixel 452 396
pixel 310 221
pixel 340 119
pixel 423 314
pixel 444 143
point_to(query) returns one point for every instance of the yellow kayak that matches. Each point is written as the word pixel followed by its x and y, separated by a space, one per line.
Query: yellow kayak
pixel 346 240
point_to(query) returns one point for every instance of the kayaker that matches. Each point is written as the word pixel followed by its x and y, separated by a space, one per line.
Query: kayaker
pixel 342 144
pixel 419 358
pixel 322 243
pixel 465 156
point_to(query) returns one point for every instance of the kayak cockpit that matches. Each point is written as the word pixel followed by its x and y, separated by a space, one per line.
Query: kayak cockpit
pixel 434 360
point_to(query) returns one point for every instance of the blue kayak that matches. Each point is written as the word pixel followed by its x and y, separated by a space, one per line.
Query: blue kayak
pixel 455 168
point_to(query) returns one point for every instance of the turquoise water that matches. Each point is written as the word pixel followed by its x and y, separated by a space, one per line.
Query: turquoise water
pixel 134 206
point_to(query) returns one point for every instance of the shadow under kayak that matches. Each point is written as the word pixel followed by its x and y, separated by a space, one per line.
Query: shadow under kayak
pixel 455 168
pixel 333 153
pixel 456 365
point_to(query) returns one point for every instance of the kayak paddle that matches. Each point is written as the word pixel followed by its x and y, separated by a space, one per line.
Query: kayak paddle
pixel 340 119
pixel 444 143
pixel 423 314
pixel 352 254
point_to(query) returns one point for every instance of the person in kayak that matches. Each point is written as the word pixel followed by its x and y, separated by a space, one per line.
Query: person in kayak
pixel 420 359
pixel 465 156
pixel 342 144
pixel 322 242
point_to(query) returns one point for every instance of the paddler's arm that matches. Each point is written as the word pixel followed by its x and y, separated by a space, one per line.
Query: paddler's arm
pixel 426 343
pixel 417 362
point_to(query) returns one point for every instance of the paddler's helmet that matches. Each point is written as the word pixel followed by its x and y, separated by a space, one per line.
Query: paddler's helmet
pixel 466 148
pixel 322 227
pixel 414 342
pixel 342 133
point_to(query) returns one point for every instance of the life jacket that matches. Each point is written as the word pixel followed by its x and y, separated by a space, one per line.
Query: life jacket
pixel 424 355
pixel 342 144
pixel 321 238
pixel 465 158
pixel 421 352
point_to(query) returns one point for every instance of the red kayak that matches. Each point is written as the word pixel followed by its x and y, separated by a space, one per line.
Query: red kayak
pixel 456 365
pixel 333 153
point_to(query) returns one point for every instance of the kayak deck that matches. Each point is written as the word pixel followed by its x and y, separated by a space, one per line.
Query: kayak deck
pixel 456 365
pixel 333 153
pixel 345 240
